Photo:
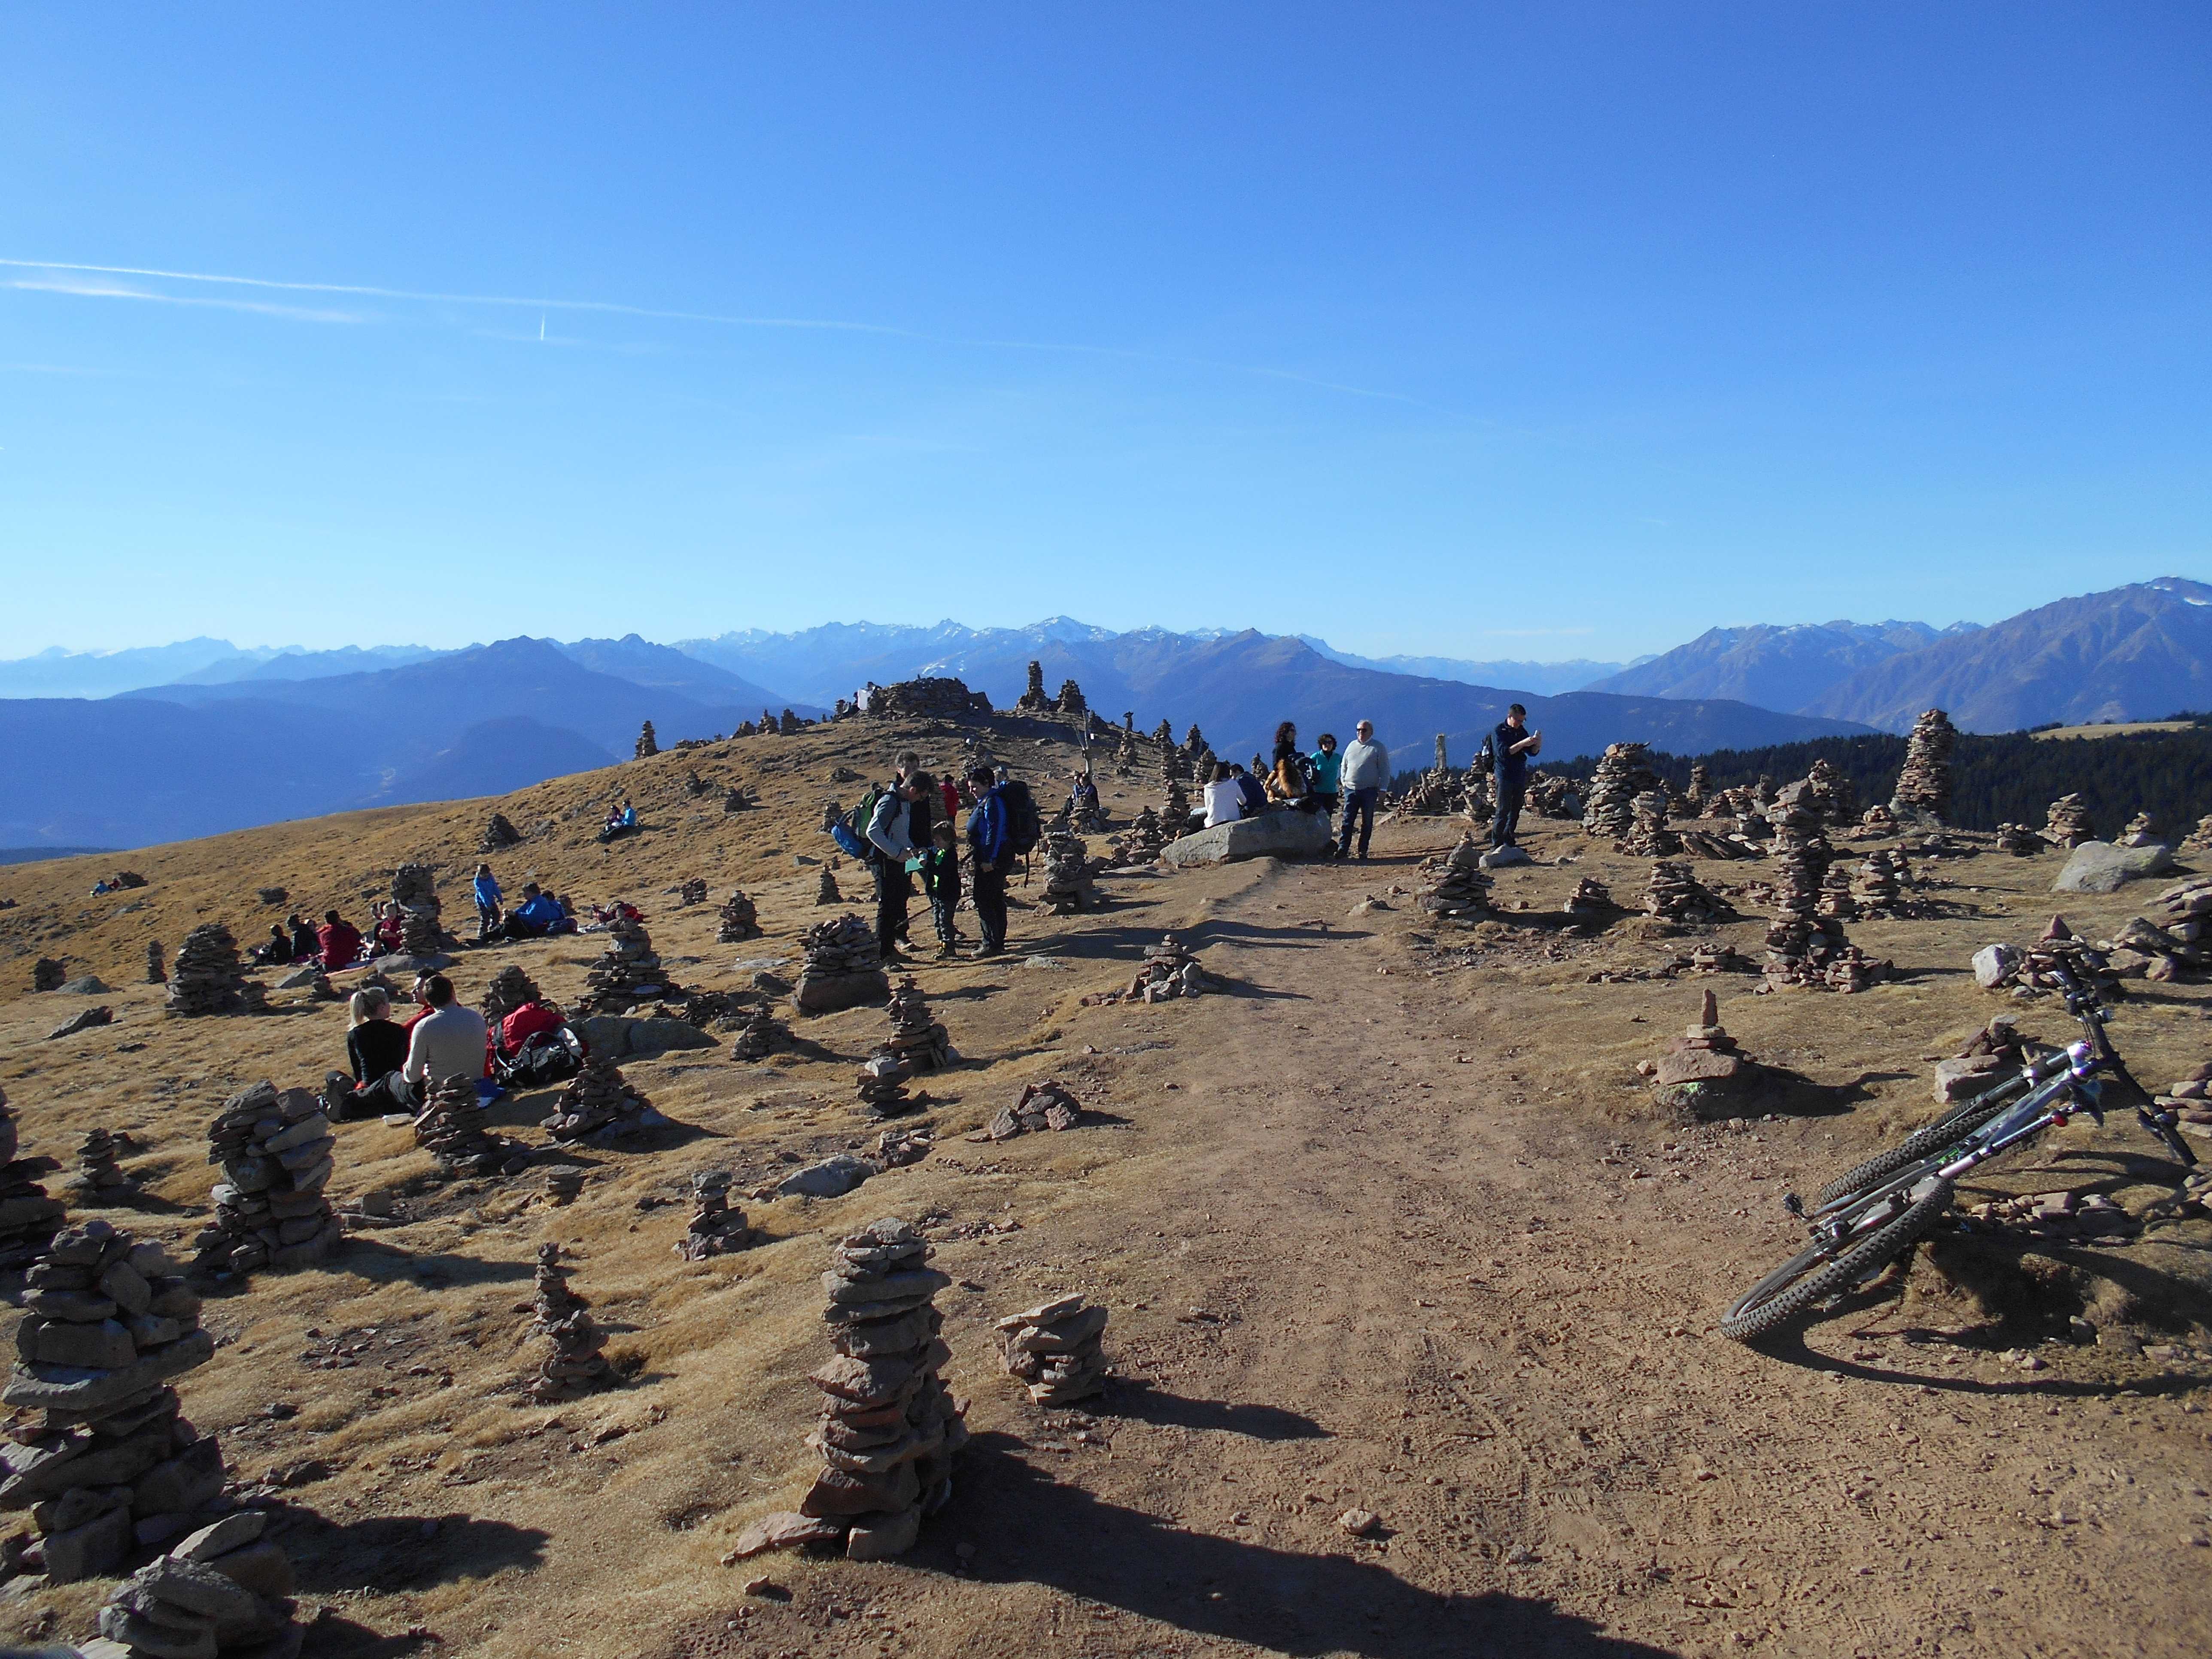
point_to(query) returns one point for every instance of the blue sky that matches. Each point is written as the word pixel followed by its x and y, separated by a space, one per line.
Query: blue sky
pixel 1484 332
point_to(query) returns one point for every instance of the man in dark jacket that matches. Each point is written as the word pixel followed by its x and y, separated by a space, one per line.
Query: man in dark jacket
pixel 991 846
pixel 1511 746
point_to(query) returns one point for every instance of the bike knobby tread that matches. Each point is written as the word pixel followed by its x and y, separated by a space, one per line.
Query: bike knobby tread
pixel 1862 1258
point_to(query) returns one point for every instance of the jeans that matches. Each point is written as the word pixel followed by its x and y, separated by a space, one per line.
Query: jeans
pixel 487 919
pixel 1507 824
pixel 940 913
pixel 1358 805
pixel 990 895
pixel 893 888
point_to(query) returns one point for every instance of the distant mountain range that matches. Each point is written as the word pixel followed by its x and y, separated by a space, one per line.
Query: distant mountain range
pixel 1773 667
pixel 1547 678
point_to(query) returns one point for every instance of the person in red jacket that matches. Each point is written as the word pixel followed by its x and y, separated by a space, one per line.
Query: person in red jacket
pixel 341 942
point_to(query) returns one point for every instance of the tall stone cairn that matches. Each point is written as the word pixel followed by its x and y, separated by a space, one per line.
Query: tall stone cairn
pixel 647 745
pixel 575 1367
pixel 1647 836
pixel 738 921
pixel 110 1466
pixel 208 978
pixel 1069 700
pixel 1878 888
pixel 1796 939
pixel 843 967
pixel 27 1217
pixel 918 1037
pixel 600 1102
pixel 156 973
pixel 2067 823
pixel 277 1152
pixel 1923 788
pixel 717 1227
pixel 1622 774
pixel 100 1180
pixel 499 834
pixel 825 888
pixel 627 972
pixel 511 988
pixel 1141 842
pixel 1068 884
pixel 1701 787
pixel 1174 809
pixel 1828 793
pixel 451 1128
pixel 415 891
pixel 1053 1348
pixel 1033 700
pixel 1125 755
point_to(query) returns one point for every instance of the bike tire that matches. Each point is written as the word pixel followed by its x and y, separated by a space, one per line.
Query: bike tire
pixel 1960 1119
pixel 1762 1309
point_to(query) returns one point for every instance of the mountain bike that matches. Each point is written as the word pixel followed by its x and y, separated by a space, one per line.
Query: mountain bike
pixel 1868 1217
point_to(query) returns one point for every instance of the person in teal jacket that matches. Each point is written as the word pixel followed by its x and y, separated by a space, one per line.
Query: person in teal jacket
pixel 1328 765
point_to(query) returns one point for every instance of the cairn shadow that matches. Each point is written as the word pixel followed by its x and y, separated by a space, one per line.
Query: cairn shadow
pixel 333 1636
pixel 1146 1403
pixel 386 1264
pixel 392 1552
pixel 1034 1529
pixel 1788 1347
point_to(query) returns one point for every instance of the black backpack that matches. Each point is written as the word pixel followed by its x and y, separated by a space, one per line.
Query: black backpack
pixel 1024 823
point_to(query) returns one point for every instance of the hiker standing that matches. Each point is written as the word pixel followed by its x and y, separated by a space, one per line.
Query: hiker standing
pixel 487 897
pixel 890 834
pixel 1327 765
pixel 991 850
pixel 1366 769
pixel 1511 746
pixel 940 880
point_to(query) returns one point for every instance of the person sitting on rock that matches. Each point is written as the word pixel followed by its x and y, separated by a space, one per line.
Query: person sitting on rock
pixel 1250 792
pixel 387 927
pixel 376 1050
pixel 1083 798
pixel 339 941
pixel 276 951
pixel 306 947
pixel 1224 801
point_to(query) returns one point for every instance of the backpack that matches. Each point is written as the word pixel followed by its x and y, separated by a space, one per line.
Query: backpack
pixel 1024 824
pixel 1485 759
pixel 549 1057
pixel 851 831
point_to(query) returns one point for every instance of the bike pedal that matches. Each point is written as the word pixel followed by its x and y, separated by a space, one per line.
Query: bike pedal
pixel 1794 1204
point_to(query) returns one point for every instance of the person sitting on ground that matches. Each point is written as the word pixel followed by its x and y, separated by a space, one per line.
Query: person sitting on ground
pixel 276 951
pixel 1249 791
pixel 940 880
pixel 488 896
pixel 376 1050
pixel 537 915
pixel 306 947
pixel 100 888
pixel 340 942
pixel 1224 802
pixel 566 921
pixel 629 819
pixel 1326 764
pixel 449 1040
pixel 1289 780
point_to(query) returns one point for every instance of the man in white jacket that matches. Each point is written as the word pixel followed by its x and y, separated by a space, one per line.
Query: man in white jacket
pixel 1366 769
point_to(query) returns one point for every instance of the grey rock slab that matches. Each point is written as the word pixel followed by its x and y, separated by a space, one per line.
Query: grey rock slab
pixel 69 1388
pixel 656 1036
pixel 832 1178
pixel 1500 858
pixel 2097 867
pixel 1994 964
pixel 1288 835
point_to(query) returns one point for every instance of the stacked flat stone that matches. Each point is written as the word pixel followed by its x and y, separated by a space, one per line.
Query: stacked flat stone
pixel 156 974
pixel 112 1467
pixel 1879 887
pixel 1174 809
pixel 276 1152
pixel 208 977
pixel 2074 1217
pixel 1837 902
pixel 1551 797
pixel 1622 774
pixel 499 834
pixel 1847 968
pixel 451 1128
pixel 1993 1053
pixel 1053 1348
pixel 1141 842
pixel 1069 700
pixel 715 1228
pixel 628 973
pixel 575 1367
pixel 2020 840
pixel 415 891
pixel 2060 950
pixel 917 1036
pixel 760 1034
pixel 1647 836
pixel 510 988
pixel 2199 840
pixel 99 1178
pixel 2142 948
pixel 600 1102
pixel 1457 885
pixel 1125 753
pixel 2141 831
pixel 2189 1099
pixel 1701 786
pixel 881 1085
pixel 843 967
pixel 889 1430
pixel 2066 823
pixel 1923 787
pixel 1591 898
pixel 2185 910
pixel 1044 1105
pixel 647 745
pixel 1828 793
pixel 1674 894
pixel 1068 884
pixel 737 920
pixel 825 889
pixel 1797 942
pixel 1033 700
pixel 693 891
pixel 27 1217
pixel 225 1590
pixel 734 800
pixel 1169 971
pixel 693 785
pixel 1703 1070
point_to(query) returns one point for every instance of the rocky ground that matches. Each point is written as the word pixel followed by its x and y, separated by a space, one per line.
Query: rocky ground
pixel 1389 1224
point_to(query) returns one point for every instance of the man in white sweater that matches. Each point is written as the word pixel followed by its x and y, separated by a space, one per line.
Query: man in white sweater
pixel 448 1042
pixel 1366 769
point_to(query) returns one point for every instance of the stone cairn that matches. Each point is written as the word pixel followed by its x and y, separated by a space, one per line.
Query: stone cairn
pixel 693 785
pixel 27 1216
pixel 1169 971
pixel 2186 908
pixel 1591 898
pixel 224 1590
pixel 1044 1105
pixel 647 745
pixel 112 1466
pixel 1673 894
pixel 1053 1348
pixel 1550 797
pixel 510 988
pixel 760 1034
pixel 1703 1072
pixel 843 967
pixel 825 888
pixel 1701 787
pixel 499 834
pixel 208 978
pixel 600 1103
pixel 1994 1053
pixel 1140 843
pixel 1125 753
pixel 1622 774
pixel 48 975
pixel 738 921
pixel 2020 840
pixel 1069 700
pixel 917 1037
pixel 2190 1100
pixel 1457 885
pixel 156 973
pixel 1174 809
pixel 2199 840
pixel 1879 887
pixel 451 1128
pixel 734 799
pixel 99 1179
pixel 1647 836
pixel 415 891
pixel 889 1430
pixel 629 972
pixel 1798 938
pixel 2067 823
pixel 2142 948
pixel 881 1085
pixel 1033 700
pixel 715 1228
pixel 1836 901
pixel 2141 831
pixel 276 1152
pixel 693 891
pixel 1826 791
pixel 1068 884
pixel 575 1367
pixel 1923 788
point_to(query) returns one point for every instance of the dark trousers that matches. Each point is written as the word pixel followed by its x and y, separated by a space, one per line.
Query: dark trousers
pixel 940 913
pixel 1358 805
pixel 1507 824
pixel 990 896
pixel 487 919
pixel 893 889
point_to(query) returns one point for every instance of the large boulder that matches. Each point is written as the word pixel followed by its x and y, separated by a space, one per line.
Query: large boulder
pixel 1287 835
pixel 825 993
pixel 657 1036
pixel 2098 866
